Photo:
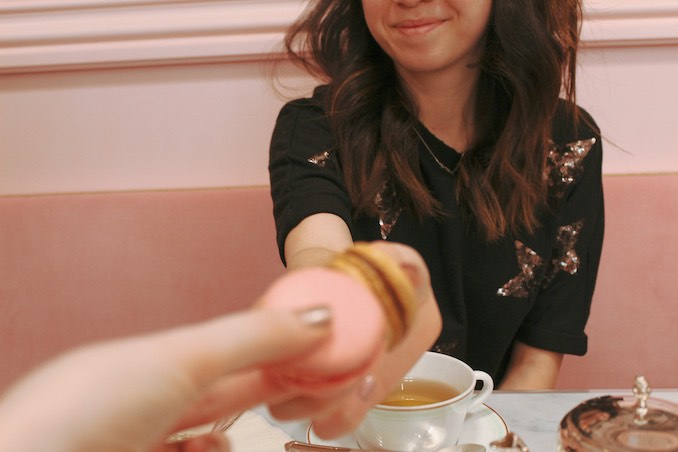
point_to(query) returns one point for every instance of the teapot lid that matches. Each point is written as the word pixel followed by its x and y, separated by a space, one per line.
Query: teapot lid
pixel 622 423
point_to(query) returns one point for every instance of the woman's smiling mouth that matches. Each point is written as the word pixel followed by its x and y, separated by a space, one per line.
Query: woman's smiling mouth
pixel 417 27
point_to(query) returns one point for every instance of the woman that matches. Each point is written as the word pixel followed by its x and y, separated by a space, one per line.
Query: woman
pixel 439 125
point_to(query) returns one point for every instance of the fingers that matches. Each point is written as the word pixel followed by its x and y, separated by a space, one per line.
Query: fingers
pixel 341 416
pixel 332 416
pixel 303 408
pixel 340 422
pixel 233 394
pixel 425 329
pixel 216 363
pixel 155 377
pixel 210 350
pixel 412 264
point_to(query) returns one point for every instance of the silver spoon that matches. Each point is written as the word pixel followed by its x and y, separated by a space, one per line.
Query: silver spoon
pixel 219 426
pixel 225 423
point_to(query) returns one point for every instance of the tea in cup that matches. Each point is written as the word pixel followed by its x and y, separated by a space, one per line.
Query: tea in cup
pixel 426 410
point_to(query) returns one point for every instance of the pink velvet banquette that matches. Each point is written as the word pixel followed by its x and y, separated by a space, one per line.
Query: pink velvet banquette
pixel 76 268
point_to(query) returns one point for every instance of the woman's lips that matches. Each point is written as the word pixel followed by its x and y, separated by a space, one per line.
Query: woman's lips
pixel 417 27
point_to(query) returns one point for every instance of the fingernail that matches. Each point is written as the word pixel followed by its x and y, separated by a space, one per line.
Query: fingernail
pixel 319 316
pixel 366 387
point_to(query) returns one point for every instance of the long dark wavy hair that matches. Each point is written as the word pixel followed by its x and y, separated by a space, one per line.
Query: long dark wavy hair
pixel 528 63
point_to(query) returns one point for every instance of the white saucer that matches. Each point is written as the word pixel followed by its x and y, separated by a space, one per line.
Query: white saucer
pixel 482 426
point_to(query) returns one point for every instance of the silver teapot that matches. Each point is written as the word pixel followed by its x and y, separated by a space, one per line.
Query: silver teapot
pixel 630 423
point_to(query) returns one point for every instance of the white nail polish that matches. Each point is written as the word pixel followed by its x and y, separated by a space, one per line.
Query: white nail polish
pixel 366 387
pixel 316 316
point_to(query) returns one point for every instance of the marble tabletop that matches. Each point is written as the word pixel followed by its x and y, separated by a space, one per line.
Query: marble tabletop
pixel 534 415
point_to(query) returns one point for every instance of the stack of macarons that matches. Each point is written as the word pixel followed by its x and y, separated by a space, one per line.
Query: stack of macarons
pixel 373 303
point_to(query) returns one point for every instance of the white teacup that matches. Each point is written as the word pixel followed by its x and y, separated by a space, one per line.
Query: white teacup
pixel 436 418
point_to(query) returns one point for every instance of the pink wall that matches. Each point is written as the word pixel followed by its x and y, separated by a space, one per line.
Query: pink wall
pixel 154 106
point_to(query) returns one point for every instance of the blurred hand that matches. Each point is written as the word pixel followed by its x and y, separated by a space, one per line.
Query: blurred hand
pixel 340 416
pixel 131 394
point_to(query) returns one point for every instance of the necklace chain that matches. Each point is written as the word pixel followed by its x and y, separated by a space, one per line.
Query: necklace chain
pixel 444 167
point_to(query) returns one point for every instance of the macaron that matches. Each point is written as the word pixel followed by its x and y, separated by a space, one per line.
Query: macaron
pixel 372 302
pixel 387 281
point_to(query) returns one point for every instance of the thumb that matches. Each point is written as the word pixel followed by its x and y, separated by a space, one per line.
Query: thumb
pixel 210 350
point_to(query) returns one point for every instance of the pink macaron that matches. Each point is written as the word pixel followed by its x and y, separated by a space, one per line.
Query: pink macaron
pixel 358 329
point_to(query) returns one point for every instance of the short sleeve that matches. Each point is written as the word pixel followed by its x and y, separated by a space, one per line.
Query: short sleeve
pixel 558 317
pixel 304 169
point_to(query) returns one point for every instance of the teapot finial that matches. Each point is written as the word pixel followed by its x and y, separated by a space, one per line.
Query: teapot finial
pixel 642 392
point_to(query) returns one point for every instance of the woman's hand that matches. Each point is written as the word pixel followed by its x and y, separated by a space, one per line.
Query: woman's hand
pixel 131 394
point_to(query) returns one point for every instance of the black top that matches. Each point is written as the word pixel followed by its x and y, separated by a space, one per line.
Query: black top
pixel 533 288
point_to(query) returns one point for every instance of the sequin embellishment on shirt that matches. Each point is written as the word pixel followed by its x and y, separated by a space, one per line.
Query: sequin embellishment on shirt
pixel 389 209
pixel 565 256
pixel 320 159
pixel 446 348
pixel 564 164
pixel 520 286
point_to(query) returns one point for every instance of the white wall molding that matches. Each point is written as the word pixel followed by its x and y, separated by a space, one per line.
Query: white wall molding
pixel 630 23
pixel 40 35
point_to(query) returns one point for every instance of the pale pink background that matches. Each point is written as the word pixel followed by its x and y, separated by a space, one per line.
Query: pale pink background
pixel 177 111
